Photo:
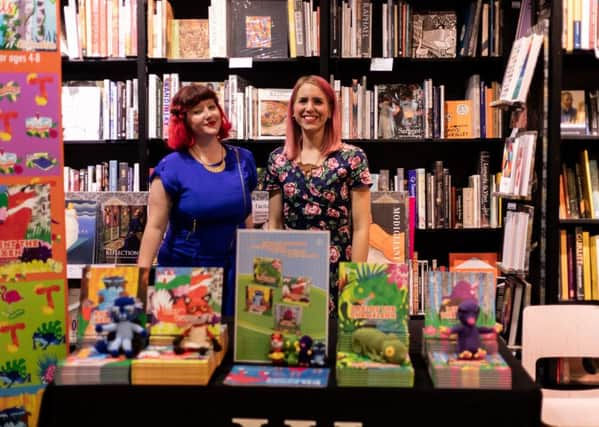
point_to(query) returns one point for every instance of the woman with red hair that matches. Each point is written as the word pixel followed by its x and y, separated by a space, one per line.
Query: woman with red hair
pixel 201 191
pixel 318 182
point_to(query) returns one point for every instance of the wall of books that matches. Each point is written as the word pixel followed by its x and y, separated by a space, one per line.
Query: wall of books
pixel 32 252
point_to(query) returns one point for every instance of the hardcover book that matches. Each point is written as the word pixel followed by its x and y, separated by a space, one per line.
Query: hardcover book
pixel 277 376
pixel 259 29
pixel 81 224
pixel 389 231
pixel 28 25
pixel 434 35
pixel 272 112
pixel 400 110
pixel 458 119
pixel 189 39
pixel 282 286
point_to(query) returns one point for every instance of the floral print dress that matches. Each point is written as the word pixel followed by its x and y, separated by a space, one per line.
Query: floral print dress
pixel 320 199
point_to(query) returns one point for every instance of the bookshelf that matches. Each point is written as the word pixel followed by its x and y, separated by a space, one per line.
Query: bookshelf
pixel 459 156
pixel 572 70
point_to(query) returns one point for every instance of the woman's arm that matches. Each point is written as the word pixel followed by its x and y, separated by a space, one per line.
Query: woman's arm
pixel 159 206
pixel 360 201
pixel 275 210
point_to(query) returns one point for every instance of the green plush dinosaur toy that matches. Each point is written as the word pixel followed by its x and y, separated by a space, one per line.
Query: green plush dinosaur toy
pixel 379 346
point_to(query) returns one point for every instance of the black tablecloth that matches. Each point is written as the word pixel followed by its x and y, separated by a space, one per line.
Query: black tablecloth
pixel 216 404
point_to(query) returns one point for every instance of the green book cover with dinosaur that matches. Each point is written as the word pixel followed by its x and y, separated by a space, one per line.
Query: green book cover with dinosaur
pixel 373 336
pixel 282 286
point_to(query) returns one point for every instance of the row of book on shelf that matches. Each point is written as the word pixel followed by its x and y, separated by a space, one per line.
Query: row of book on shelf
pixel 112 175
pixel 579 112
pixel 578 265
pixel 580 25
pixel 405 32
pixel 112 110
pixel 579 188
pixel 388 111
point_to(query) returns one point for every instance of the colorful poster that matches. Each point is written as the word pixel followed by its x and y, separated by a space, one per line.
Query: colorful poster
pixel 281 288
pixel 29 124
pixel 32 215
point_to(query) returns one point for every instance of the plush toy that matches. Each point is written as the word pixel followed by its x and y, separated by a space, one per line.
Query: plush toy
pixel 379 346
pixel 305 350
pixel 201 336
pixel 124 312
pixel 469 343
pixel 319 355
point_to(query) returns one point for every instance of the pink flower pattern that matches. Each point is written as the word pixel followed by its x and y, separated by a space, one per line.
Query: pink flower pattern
pixel 321 200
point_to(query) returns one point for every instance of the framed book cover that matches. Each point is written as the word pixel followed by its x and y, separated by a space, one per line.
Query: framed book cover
pixel 184 297
pixel 282 286
pixel 277 376
pixel 259 29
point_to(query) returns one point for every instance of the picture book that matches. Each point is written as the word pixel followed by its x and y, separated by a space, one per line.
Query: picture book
pixel 434 35
pixel 373 336
pixel 100 287
pixel 448 371
pixel 282 287
pixel 389 231
pixel 81 224
pixel 400 110
pixel 277 376
pixel 28 25
pixel 184 297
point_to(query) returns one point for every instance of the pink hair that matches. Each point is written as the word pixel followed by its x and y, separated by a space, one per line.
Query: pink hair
pixel 332 130
pixel 179 133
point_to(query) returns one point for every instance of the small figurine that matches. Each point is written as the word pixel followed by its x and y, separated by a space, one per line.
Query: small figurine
pixel 291 350
pixel 201 336
pixel 124 312
pixel 379 346
pixel 276 353
pixel 319 355
pixel 305 351
pixel 469 343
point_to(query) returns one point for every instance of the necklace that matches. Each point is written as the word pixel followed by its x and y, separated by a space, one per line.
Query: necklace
pixel 211 167
pixel 307 168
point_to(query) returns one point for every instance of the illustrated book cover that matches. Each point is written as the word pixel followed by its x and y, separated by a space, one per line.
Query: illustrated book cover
pixel 272 112
pixel 388 239
pixel 81 224
pixel 400 110
pixel 434 35
pixel 373 336
pixel 282 286
pixel 277 376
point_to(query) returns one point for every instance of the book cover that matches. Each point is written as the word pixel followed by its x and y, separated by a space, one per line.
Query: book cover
pixel 573 112
pixel 259 29
pixel 81 229
pixel 277 376
pixel 272 112
pixel 458 119
pixel 434 34
pixel 184 297
pixel 282 286
pixel 28 25
pixel 189 39
pixel 401 111
pixel 389 231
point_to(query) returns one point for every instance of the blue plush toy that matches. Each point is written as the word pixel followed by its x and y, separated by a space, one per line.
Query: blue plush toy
pixel 319 355
pixel 124 312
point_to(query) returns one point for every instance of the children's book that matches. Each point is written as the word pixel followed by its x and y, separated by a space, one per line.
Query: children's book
pixel 282 286
pixel 277 376
pixel 373 337
pixel 184 297
pixel 28 25
pixel 100 287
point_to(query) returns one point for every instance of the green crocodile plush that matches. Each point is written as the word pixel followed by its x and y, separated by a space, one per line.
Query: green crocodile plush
pixel 379 346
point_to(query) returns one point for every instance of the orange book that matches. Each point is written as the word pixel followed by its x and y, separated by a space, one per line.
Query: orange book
pixel 458 119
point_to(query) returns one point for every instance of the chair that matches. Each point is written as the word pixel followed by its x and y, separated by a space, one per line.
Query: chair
pixel 550 331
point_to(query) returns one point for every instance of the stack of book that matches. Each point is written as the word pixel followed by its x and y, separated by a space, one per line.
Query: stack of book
pixel 447 371
pixel 87 366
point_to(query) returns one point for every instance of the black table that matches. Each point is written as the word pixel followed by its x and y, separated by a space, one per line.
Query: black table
pixel 98 405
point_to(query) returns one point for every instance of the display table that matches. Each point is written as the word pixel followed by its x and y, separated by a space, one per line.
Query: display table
pixel 108 406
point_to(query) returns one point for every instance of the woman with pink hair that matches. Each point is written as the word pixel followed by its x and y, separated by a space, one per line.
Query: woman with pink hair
pixel 201 191
pixel 318 182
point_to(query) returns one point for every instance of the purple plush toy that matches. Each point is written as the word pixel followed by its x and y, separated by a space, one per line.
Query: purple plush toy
pixel 469 346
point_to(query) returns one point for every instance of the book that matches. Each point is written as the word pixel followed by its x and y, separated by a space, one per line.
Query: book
pixel 458 119
pixel 434 34
pixel 28 26
pixel 189 39
pixel 573 119
pixel 277 376
pixel 389 231
pixel 272 112
pixel 259 29
pixel 81 226
pixel 400 110
pixel 282 286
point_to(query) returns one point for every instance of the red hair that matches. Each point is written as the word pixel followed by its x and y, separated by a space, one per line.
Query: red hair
pixel 332 127
pixel 179 132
